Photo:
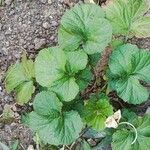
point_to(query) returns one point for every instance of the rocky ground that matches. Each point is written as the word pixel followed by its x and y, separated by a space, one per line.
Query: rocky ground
pixel 25 25
pixel 29 25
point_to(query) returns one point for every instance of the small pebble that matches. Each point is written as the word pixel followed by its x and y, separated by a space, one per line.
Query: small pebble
pixel 30 147
pixel 8 2
pixel 46 25
pixel 43 1
pixel 39 43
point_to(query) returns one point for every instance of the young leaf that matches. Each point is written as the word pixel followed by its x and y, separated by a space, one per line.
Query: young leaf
pixel 19 77
pixel 56 70
pixel 51 124
pixel 127 66
pixel 123 138
pixel 8 115
pixel 97 110
pixel 128 17
pixel 49 65
pixel 84 26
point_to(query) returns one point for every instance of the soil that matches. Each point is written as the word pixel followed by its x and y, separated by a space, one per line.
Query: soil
pixel 25 25
pixel 30 25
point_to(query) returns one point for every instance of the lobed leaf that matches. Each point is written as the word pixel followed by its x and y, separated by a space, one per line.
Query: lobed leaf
pixel 128 17
pixel 127 66
pixel 97 110
pixel 66 88
pixel 51 124
pixel 83 78
pixel 84 26
pixel 19 77
pixel 49 66
pixel 77 60
pixel 123 138
pixel 14 77
pixel 24 92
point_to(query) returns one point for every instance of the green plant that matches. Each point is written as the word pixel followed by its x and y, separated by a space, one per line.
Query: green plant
pixel 64 72
pixel 20 77
pixel 8 115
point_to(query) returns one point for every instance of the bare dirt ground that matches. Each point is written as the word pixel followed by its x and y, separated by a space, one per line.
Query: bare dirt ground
pixel 30 25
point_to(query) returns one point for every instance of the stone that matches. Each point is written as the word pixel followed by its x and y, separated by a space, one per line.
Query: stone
pixel 0 26
pixel 30 147
pixel 46 25
pixel 8 32
pixel 91 142
pixel 54 23
pixel 49 1
pixel 39 43
pixel 43 1
pixel 8 2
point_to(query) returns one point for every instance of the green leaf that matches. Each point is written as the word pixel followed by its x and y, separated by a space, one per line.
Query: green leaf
pixel 94 58
pixel 83 78
pixel 19 77
pixel 97 110
pixel 8 115
pixel 4 147
pixel 84 26
pixel 66 88
pixel 127 66
pixel 49 65
pixel 24 92
pixel 52 125
pixel 116 43
pixel 128 17
pixel 128 115
pixel 28 66
pixel 77 60
pixel 14 77
pixel 56 70
pixel 46 100
pixel 15 145
pixel 123 138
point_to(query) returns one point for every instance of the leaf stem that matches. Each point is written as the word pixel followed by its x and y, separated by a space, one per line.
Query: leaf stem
pixel 133 127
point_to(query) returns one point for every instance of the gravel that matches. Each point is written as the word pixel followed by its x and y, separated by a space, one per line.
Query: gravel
pixel 24 25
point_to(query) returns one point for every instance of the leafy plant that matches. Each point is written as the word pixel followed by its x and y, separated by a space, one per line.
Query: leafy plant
pixel 8 115
pixel 68 97
pixel 128 17
pixel 52 124
pixel 3 146
pixel 128 65
pixel 20 77
pixel 123 138
pixel 97 110
pixel 84 27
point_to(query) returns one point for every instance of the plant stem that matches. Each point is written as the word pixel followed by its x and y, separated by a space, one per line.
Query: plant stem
pixel 133 127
